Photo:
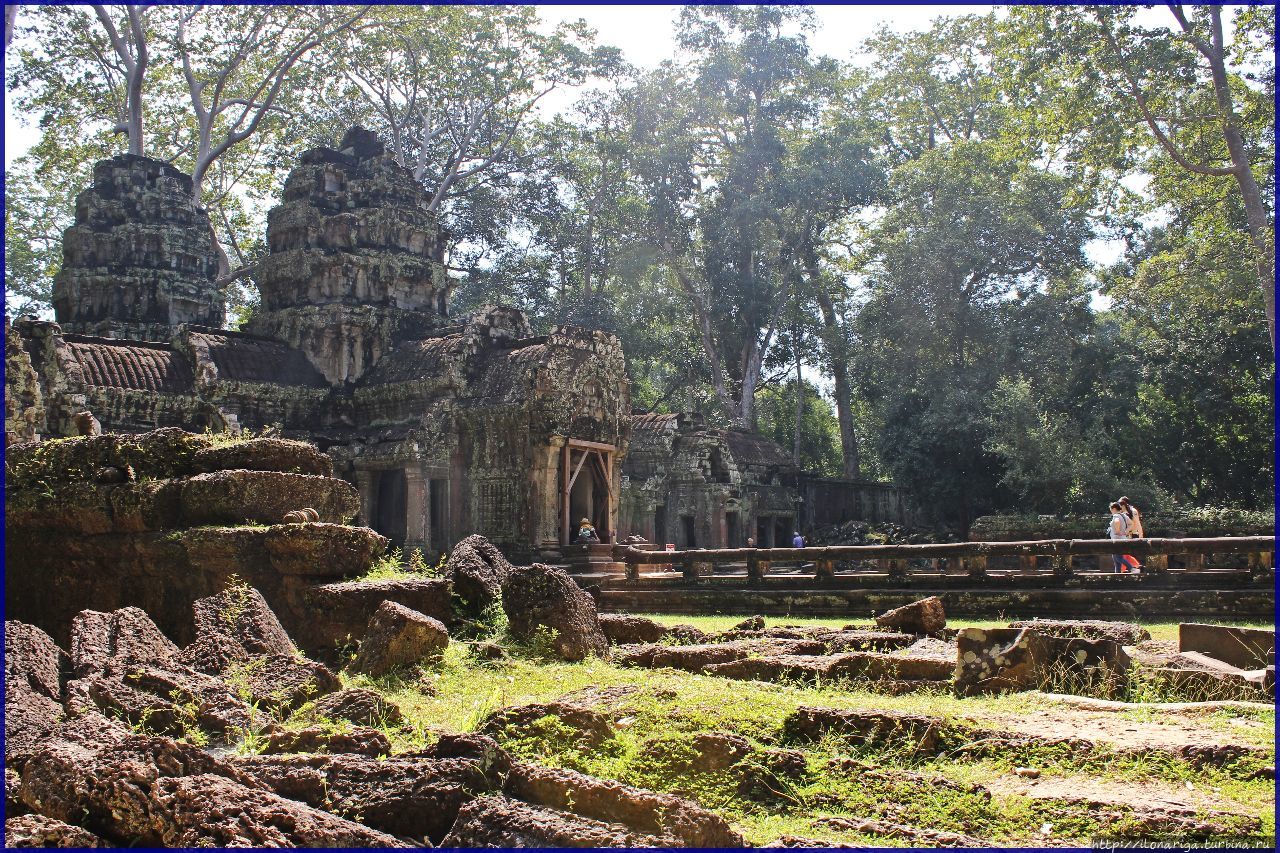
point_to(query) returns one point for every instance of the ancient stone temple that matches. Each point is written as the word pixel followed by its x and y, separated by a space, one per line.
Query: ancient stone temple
pixel 693 486
pixel 447 428
pixel 140 258
pixel 705 488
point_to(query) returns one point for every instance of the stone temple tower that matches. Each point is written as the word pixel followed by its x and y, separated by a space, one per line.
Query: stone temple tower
pixel 355 260
pixel 140 258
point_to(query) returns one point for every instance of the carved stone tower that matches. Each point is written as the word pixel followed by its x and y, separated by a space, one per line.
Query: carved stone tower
pixel 355 261
pixel 140 258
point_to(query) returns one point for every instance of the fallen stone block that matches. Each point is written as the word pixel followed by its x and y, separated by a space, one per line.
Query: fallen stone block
pixel 91 775
pixel 164 701
pixel 626 630
pixel 342 611
pixel 357 741
pixel 33 830
pixel 264 454
pixel 860 640
pixel 241 615
pixel 234 497
pixel 280 683
pixel 1245 648
pixel 407 796
pixel 994 660
pixel 1124 633
pixel 880 665
pixel 501 822
pixel 663 816
pixel 922 733
pixel 119 640
pixel 31 657
pixel 28 717
pixel 212 811
pixel 400 636
pixel 539 596
pixel 592 726
pixel 925 616
pixel 359 706
pixel 477 569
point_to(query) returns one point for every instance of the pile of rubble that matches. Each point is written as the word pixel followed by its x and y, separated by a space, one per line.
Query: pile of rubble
pixel 101 747
pixel 911 648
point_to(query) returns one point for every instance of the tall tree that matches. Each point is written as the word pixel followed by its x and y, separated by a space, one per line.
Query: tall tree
pixel 718 138
pixel 970 225
pixel 1127 93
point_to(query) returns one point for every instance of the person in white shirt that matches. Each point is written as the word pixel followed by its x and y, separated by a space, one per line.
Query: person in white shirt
pixel 1135 520
pixel 1118 528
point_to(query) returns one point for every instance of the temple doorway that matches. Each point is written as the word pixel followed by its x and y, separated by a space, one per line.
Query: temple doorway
pixel 586 488
pixel 390 504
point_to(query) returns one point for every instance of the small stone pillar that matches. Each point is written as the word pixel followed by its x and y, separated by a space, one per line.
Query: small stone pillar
pixel 824 570
pixel 975 566
pixel 1195 562
pixel 416 534
pixel 365 482
pixel 756 570
pixel 1027 564
pixel 1157 564
pixel 1062 568
pixel 894 567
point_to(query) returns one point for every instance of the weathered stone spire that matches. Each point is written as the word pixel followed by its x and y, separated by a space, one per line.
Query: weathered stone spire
pixel 355 259
pixel 140 258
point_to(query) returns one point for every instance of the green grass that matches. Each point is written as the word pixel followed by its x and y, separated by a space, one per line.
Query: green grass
pixel 652 750
pixel 1159 630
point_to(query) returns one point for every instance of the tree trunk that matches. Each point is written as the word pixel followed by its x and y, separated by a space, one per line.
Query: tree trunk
pixel 838 361
pixel 1261 231
pixel 10 15
pixel 795 451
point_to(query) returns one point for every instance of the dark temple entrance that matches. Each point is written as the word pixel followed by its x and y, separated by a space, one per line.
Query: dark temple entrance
pixel 389 505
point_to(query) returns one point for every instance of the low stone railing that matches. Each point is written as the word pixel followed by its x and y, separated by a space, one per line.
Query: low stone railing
pixel 956 559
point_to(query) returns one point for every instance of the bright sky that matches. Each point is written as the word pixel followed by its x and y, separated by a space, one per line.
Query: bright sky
pixel 646 36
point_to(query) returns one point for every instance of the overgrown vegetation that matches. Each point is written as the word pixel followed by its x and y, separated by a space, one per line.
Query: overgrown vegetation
pixel 395 565
pixel 962 787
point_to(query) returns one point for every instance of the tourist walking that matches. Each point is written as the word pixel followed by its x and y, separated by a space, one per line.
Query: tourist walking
pixel 1135 526
pixel 1118 528
pixel 797 541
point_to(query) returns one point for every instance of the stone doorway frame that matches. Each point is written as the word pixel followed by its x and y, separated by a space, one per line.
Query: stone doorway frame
pixel 576 455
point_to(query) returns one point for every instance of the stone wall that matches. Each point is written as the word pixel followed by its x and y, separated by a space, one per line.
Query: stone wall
pixel 835 501
pixel 24 411
pixel 1191 523
pixel 164 518
pixel 140 258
